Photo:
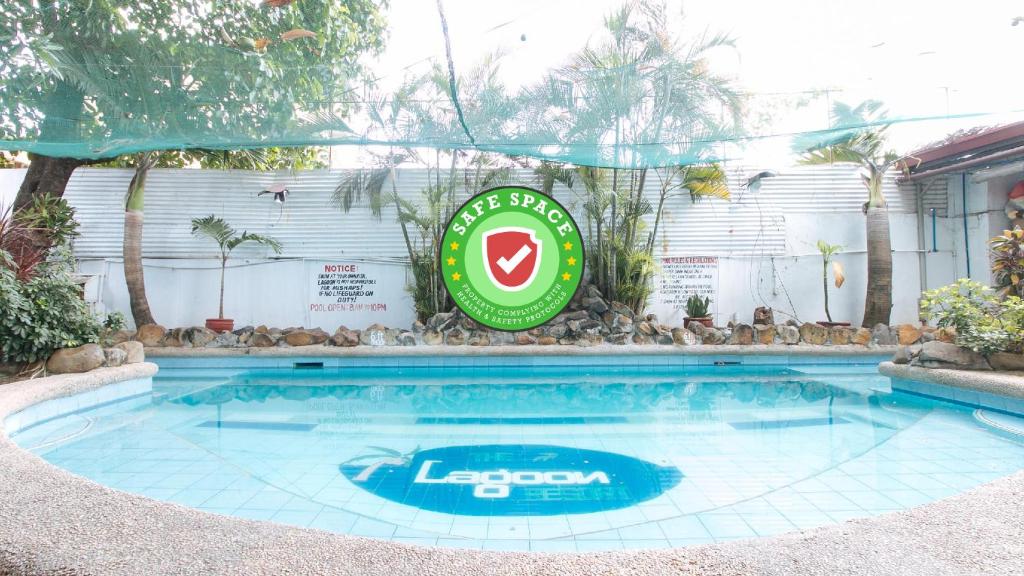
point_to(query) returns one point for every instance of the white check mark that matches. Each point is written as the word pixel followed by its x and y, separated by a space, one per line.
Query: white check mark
pixel 509 265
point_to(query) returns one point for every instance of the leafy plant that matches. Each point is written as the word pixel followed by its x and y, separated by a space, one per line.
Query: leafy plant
pixel 19 252
pixel 697 307
pixel 112 323
pixel 641 83
pixel 51 216
pixel 983 322
pixel 452 175
pixel 42 314
pixel 227 239
pixel 827 252
pixel 1008 261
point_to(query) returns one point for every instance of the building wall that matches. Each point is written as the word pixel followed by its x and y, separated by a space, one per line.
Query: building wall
pixel 764 240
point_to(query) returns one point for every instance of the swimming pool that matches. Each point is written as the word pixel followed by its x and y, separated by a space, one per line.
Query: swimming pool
pixel 566 454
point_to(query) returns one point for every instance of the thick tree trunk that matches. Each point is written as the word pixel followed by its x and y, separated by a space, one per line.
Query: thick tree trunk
pixel 132 247
pixel 46 175
pixel 878 303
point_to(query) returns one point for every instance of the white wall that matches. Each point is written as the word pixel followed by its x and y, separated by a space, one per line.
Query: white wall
pixel 10 180
pixel 764 239
pixel 257 291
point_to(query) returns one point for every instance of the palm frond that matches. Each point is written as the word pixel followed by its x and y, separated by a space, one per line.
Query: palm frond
pixel 217 229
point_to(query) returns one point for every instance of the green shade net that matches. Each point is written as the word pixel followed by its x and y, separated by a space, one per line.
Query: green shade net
pixel 100 78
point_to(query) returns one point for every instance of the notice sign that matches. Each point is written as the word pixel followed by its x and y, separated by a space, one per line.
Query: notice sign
pixel 684 276
pixel 358 294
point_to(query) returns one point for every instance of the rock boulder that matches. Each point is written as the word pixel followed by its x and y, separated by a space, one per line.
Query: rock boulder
pixel 812 333
pixel 1007 361
pixel 134 352
pixel 345 338
pixel 303 337
pixel 150 334
pixel 788 334
pixel 76 360
pixel 945 355
pixel 907 334
pixel 114 357
pixel 742 335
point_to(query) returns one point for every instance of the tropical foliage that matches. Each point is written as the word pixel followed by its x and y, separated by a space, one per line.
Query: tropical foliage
pixel 235 72
pixel 984 322
pixel 41 308
pixel 227 239
pixel 26 237
pixel 640 84
pixel 1008 261
pixel 864 145
pixel 43 313
pixel 452 176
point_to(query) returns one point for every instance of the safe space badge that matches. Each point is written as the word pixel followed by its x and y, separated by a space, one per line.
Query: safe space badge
pixel 512 258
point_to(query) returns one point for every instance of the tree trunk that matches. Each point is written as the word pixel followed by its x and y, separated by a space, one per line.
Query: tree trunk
pixel 878 302
pixel 223 267
pixel 132 246
pixel 824 283
pixel 46 175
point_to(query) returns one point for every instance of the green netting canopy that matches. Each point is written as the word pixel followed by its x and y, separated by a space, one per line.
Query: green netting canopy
pixel 100 78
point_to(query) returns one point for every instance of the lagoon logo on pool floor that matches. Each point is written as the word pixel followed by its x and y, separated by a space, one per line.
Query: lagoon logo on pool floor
pixel 510 480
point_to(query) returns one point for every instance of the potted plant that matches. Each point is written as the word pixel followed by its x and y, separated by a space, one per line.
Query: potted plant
pixel 697 311
pixel 827 252
pixel 227 239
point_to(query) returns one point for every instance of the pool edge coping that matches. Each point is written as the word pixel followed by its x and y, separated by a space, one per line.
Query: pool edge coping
pixel 1000 383
pixel 55 520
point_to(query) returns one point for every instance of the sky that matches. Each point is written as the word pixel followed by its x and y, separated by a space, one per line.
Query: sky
pixel 921 58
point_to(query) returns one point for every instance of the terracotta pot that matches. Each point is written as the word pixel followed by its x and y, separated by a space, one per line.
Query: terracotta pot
pixel 220 324
pixel 832 324
pixel 705 320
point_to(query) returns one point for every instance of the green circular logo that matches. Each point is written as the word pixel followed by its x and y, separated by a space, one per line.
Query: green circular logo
pixel 512 258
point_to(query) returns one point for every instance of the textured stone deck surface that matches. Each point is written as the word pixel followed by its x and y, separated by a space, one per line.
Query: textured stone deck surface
pixel 52 522
pixel 1002 383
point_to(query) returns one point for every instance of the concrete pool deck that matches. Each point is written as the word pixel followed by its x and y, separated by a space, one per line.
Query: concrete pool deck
pixel 52 521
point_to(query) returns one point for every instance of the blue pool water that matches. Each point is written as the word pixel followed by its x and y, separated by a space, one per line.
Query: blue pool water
pixel 529 457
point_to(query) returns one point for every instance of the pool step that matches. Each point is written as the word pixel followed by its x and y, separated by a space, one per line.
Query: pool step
pixel 1000 421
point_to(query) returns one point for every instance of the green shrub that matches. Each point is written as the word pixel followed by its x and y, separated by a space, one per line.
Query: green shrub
pixel 984 322
pixel 42 314
pixel 1008 261
pixel 112 323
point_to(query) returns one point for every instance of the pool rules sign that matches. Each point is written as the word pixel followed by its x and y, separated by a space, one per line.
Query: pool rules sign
pixel 357 294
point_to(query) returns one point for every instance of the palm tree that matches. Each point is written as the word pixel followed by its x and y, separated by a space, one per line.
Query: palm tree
pixel 228 239
pixel 864 144
pixel 132 245
pixel 412 114
pixel 647 97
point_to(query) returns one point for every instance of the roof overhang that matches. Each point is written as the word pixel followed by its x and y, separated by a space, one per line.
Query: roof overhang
pixel 987 148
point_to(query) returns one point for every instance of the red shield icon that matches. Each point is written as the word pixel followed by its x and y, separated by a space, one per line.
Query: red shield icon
pixel 511 257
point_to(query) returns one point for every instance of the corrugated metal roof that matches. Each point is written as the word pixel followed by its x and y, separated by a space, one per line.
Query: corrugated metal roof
pixel 309 226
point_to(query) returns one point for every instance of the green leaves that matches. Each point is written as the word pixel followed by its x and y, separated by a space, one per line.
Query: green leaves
pixel 983 322
pixel 227 239
pixel 42 314
pixel 1008 261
